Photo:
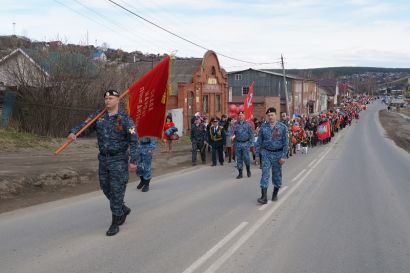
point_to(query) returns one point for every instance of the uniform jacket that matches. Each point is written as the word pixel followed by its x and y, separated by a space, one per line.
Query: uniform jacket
pixel 114 134
pixel 273 138
pixel 243 132
pixel 198 133
pixel 216 135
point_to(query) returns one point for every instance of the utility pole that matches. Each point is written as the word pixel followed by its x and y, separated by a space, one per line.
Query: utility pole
pixel 285 85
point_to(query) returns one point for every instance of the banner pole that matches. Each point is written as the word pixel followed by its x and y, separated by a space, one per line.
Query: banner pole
pixel 68 142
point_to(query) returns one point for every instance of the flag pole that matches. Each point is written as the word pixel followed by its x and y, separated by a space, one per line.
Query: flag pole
pixel 69 141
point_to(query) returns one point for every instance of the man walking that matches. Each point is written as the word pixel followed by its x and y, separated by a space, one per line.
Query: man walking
pixel 217 140
pixel 198 139
pixel 116 133
pixel 243 139
pixel 272 144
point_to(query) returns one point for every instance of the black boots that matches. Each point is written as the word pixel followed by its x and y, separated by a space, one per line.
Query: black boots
pixel 144 184
pixel 145 188
pixel 248 171
pixel 264 198
pixel 114 228
pixel 126 210
pixel 275 194
pixel 141 184
pixel 240 174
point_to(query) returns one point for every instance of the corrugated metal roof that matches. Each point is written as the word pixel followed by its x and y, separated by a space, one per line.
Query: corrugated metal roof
pixel 267 72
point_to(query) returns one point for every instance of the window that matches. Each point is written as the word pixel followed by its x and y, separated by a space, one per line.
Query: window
pixel 218 103
pixel 245 90
pixel 205 104
pixel 238 77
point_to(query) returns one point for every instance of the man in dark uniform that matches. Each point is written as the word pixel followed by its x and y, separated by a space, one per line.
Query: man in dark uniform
pixel 272 144
pixel 217 140
pixel 198 139
pixel 116 133
pixel 243 140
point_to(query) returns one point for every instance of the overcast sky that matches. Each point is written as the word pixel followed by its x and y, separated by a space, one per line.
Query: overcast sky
pixel 309 33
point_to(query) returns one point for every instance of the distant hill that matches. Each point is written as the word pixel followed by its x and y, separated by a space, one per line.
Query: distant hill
pixel 335 72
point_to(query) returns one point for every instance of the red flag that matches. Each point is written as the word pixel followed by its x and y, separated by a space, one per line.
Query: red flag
pixel 148 99
pixel 323 131
pixel 248 104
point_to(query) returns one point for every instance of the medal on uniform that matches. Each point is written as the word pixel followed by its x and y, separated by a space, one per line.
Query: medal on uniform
pixel 276 133
pixel 118 125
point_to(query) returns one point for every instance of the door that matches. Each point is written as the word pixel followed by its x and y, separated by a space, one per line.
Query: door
pixel 190 101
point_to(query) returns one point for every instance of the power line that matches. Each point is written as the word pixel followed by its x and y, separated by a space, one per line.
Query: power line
pixel 182 38
pixel 129 35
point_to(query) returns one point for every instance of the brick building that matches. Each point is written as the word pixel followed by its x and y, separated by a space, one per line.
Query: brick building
pixel 198 85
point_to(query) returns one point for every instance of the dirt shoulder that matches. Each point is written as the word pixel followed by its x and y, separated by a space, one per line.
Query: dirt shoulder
pixel 397 127
pixel 33 174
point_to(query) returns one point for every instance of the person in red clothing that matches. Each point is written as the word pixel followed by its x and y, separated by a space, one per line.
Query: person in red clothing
pixel 167 137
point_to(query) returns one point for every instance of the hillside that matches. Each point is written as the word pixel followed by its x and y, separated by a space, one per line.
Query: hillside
pixel 335 72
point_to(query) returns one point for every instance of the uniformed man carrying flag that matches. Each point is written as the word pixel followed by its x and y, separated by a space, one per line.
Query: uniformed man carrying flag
pixel 272 145
pixel 116 133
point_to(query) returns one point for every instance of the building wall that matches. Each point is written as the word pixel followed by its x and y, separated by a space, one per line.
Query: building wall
pixel 259 108
pixel 265 84
pixel 207 82
pixel 297 87
pixel 17 69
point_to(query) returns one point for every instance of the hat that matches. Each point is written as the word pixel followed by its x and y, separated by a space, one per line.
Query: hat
pixel 271 110
pixel 111 93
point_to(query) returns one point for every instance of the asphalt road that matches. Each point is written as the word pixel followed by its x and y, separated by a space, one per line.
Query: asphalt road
pixel 344 207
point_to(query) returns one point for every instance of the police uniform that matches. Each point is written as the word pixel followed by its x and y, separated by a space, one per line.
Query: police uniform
pixel 242 143
pixel 198 138
pixel 115 134
pixel 145 151
pixel 272 144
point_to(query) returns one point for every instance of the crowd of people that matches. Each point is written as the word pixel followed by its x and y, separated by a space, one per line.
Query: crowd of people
pixel 216 134
pixel 270 140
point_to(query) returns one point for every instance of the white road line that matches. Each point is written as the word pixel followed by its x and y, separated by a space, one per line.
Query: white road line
pixel 214 249
pixel 269 202
pixel 222 259
pixel 313 162
pixel 299 174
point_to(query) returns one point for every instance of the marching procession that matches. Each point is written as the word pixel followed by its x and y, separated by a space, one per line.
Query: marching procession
pixel 271 140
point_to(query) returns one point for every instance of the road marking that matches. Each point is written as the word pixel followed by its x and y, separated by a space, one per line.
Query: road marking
pixel 299 174
pixel 269 202
pixel 222 259
pixel 311 163
pixel 214 249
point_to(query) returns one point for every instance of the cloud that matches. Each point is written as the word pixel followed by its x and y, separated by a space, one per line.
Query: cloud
pixel 310 33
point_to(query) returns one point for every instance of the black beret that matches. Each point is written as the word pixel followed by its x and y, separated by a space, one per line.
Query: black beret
pixel 241 112
pixel 271 110
pixel 111 93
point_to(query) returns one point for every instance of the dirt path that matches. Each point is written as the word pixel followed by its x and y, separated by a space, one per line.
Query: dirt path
pixel 33 176
pixel 397 127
